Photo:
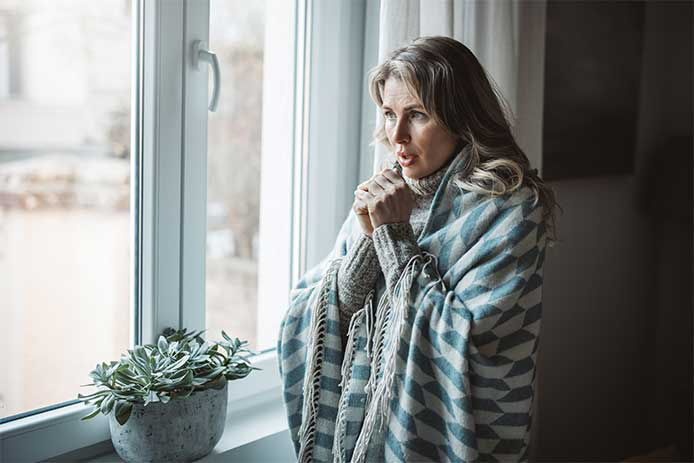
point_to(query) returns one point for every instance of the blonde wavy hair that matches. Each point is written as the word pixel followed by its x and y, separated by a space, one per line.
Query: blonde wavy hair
pixel 449 82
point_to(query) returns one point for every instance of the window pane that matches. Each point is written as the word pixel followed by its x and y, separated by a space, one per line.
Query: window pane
pixel 234 147
pixel 64 195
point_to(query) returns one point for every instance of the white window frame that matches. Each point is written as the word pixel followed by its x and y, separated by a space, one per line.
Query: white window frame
pixel 5 59
pixel 9 53
pixel 327 158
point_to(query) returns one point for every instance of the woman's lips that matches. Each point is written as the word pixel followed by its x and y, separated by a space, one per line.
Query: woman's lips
pixel 405 159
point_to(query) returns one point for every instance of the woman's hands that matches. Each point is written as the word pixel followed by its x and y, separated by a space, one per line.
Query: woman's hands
pixel 384 198
pixel 361 210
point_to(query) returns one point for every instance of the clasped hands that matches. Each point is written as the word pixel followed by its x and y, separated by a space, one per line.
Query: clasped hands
pixel 384 198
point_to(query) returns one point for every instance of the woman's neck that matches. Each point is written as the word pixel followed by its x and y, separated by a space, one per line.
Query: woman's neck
pixel 428 185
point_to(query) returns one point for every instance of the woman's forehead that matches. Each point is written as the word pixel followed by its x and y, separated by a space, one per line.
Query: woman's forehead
pixel 397 94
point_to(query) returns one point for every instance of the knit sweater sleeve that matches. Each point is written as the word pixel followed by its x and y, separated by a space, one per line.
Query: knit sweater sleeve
pixel 395 245
pixel 356 277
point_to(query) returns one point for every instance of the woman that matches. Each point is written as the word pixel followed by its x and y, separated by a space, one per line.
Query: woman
pixel 416 338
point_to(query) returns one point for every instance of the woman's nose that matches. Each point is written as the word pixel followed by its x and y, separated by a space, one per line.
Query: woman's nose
pixel 402 134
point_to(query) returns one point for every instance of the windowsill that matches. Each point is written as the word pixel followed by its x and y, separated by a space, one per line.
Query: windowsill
pixel 259 418
pixel 255 411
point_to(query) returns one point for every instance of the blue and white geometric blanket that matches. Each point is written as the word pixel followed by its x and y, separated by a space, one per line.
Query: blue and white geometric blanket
pixel 442 370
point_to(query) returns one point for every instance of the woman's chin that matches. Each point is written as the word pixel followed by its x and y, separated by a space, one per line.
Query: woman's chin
pixel 412 172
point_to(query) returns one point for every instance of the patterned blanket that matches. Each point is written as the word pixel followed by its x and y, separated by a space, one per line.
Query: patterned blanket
pixel 443 369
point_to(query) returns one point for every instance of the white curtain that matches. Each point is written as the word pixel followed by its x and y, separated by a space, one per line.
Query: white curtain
pixel 507 37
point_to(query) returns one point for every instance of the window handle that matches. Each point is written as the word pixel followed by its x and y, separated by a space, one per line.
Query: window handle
pixel 202 54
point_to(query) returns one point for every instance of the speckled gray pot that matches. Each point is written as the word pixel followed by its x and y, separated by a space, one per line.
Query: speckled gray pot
pixel 184 429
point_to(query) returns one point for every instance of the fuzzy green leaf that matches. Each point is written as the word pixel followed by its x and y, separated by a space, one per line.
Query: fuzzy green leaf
pixel 92 414
pixel 107 405
pixel 122 411
pixel 173 348
pixel 163 345
pixel 92 395
pixel 178 364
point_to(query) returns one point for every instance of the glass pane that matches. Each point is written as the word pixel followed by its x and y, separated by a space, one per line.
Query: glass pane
pixel 64 195
pixel 234 145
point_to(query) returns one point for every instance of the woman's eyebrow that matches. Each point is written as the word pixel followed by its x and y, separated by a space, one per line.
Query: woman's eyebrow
pixel 407 108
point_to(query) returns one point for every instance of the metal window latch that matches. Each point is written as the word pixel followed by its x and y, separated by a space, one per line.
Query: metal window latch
pixel 200 56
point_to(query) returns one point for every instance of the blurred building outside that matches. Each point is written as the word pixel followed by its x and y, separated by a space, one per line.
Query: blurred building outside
pixel 65 190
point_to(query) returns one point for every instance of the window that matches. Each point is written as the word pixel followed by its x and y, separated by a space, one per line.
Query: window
pixel 220 213
pixel 64 197
pixel 5 65
pixel 10 52
pixel 234 147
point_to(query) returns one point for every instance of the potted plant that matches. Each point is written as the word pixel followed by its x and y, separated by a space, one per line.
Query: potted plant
pixel 167 402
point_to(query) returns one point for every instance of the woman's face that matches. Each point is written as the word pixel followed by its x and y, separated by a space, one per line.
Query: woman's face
pixel 421 146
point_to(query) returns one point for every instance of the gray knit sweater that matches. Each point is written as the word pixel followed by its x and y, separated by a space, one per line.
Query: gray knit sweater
pixel 386 252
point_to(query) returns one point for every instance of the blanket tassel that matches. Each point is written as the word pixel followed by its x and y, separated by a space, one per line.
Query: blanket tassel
pixel 390 321
pixel 312 378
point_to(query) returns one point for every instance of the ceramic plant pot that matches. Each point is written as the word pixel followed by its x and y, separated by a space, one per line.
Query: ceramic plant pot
pixel 184 429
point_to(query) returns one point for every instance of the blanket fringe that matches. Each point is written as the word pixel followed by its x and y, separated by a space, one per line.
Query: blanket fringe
pixel 376 352
pixel 347 367
pixel 390 321
pixel 369 323
pixel 314 351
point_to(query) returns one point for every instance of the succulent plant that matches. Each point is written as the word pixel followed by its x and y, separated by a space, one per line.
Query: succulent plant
pixel 177 366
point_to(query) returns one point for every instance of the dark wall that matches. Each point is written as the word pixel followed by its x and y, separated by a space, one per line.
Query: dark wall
pixel 593 67
pixel 615 366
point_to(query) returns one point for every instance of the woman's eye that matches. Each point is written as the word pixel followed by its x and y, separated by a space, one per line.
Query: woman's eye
pixel 390 116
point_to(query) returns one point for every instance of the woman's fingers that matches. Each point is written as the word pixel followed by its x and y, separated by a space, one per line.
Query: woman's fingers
pixel 387 182
pixel 361 199
pixel 394 177
pixel 363 195
pixel 360 206
pixel 361 211
pixel 390 175
pixel 391 199
pixel 381 183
